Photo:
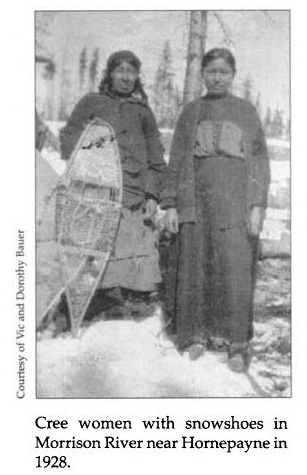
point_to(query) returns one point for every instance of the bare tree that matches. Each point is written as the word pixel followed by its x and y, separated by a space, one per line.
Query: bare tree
pixel 196 48
pixel 166 100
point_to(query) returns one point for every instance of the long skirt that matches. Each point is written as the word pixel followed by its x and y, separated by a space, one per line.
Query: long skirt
pixel 134 263
pixel 212 262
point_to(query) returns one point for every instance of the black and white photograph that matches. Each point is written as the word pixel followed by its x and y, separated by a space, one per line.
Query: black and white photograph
pixel 162 204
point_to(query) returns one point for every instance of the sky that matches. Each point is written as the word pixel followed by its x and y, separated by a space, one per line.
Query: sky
pixel 259 41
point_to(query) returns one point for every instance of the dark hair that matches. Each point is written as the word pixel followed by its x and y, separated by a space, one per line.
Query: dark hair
pixel 115 60
pixel 217 53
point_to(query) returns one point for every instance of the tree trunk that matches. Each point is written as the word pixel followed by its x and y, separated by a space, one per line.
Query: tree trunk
pixel 197 38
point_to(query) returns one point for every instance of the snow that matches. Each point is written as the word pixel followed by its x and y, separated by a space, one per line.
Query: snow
pixel 133 358
pixel 276 142
pixel 54 160
pixel 55 126
pixel 129 359
pixel 280 172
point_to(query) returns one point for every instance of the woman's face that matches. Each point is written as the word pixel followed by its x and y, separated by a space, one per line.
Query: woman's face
pixel 218 76
pixel 123 78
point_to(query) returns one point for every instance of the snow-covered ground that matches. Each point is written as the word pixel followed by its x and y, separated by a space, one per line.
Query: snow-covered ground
pixel 136 358
pixel 130 359
pixel 280 142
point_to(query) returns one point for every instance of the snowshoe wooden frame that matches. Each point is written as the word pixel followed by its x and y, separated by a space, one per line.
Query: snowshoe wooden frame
pixel 89 200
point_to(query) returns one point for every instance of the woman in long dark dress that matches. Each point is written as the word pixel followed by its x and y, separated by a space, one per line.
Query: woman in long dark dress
pixel 215 196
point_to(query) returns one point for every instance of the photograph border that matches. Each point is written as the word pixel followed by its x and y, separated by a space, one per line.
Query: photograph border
pixel 253 383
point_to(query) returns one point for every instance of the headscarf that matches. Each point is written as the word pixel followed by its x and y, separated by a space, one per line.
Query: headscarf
pixel 115 60
pixel 124 56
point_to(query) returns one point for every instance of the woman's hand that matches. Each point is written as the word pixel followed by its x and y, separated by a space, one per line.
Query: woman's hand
pixel 171 220
pixel 255 223
pixel 150 210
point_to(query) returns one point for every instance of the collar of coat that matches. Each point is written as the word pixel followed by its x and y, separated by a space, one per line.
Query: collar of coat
pixel 134 98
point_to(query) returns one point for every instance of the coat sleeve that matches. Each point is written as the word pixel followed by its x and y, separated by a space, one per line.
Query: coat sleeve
pixel 155 161
pixel 260 166
pixel 178 151
pixel 79 118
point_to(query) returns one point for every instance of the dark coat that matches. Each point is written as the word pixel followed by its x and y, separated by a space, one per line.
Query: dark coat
pixel 137 136
pixel 179 184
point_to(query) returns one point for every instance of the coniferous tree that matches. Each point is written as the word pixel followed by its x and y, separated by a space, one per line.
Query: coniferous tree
pixel 93 70
pixel 82 68
pixel 258 105
pixel 288 129
pixel 65 92
pixel 277 124
pixel 268 122
pixel 46 70
pixel 247 89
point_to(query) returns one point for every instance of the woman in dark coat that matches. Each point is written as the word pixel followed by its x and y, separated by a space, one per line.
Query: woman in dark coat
pixel 122 102
pixel 215 196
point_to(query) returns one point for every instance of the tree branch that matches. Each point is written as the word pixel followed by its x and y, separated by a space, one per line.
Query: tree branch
pixel 227 37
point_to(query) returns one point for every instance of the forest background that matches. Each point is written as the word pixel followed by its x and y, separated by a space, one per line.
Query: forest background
pixel 72 49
